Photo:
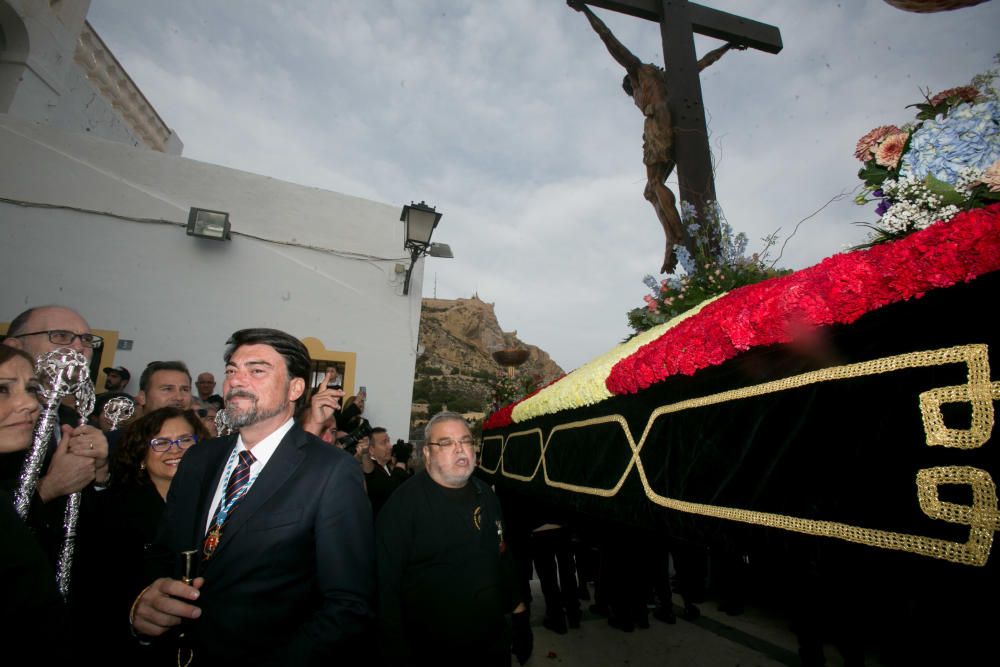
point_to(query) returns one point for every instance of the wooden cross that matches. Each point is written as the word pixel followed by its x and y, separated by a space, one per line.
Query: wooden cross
pixel 679 21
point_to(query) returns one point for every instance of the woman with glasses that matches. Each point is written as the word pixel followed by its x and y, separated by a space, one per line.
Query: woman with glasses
pixel 143 466
pixel 153 446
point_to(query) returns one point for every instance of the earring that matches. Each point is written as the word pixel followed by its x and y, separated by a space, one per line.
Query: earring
pixel 142 466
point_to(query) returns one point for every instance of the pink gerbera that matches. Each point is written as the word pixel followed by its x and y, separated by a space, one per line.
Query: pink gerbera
pixel 962 93
pixel 866 144
pixel 891 149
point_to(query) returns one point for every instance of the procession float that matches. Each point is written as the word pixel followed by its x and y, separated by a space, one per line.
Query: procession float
pixel 842 414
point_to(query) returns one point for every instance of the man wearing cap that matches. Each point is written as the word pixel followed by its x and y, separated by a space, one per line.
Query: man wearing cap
pixel 116 378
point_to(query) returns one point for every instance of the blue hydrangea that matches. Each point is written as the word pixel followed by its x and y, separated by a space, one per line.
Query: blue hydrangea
pixel 650 282
pixel 969 136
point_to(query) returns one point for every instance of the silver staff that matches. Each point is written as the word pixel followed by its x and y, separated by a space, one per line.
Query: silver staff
pixel 222 424
pixel 60 372
pixel 119 409
pixel 85 399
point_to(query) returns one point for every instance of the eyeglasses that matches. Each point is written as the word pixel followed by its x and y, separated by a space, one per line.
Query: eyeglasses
pixel 164 444
pixel 448 443
pixel 63 337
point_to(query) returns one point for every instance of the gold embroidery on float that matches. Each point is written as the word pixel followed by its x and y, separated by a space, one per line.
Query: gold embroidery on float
pixel 487 448
pixel 541 453
pixel 981 516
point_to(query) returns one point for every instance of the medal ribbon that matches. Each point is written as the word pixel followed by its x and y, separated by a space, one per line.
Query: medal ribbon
pixel 239 483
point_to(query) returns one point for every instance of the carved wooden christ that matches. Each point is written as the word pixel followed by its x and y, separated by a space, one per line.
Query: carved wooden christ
pixel 674 132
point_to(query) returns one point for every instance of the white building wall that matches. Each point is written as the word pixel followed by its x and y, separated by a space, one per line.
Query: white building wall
pixel 83 109
pixel 178 297
pixel 37 63
pixel 55 70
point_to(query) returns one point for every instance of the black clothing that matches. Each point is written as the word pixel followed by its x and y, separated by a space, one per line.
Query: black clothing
pixel 550 548
pixel 380 485
pixel 31 609
pixel 446 577
pixel 110 571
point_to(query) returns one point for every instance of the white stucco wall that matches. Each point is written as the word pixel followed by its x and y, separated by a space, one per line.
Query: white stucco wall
pixel 180 297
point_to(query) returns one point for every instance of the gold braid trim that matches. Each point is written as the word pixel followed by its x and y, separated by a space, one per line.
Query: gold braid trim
pixel 541 452
pixel 982 516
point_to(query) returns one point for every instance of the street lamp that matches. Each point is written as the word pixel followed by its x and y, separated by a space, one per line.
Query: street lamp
pixel 420 220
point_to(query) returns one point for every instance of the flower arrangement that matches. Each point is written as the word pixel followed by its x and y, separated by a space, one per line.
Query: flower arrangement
pixel 945 162
pixel 705 274
pixel 506 389
pixel 838 290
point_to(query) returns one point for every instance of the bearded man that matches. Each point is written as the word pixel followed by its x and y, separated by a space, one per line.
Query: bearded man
pixel 448 592
pixel 278 521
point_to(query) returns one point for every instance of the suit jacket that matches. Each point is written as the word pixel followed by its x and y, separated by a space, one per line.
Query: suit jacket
pixel 291 581
pixel 380 485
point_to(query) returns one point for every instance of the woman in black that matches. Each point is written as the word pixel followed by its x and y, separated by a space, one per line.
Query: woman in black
pixel 142 467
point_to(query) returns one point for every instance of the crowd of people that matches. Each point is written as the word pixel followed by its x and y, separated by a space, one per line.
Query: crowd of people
pixel 301 536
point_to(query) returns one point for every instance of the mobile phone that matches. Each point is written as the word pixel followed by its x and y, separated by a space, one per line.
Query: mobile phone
pixel 362 391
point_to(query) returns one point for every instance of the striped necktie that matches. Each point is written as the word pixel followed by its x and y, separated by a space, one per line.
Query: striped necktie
pixel 235 490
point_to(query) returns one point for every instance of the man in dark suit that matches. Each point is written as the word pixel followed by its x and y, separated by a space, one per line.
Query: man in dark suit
pixel 280 523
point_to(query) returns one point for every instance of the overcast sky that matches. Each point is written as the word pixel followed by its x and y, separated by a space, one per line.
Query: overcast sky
pixel 508 115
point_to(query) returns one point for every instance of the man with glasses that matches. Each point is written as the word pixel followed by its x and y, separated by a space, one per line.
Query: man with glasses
pixel 77 456
pixel 446 576
pixel 81 456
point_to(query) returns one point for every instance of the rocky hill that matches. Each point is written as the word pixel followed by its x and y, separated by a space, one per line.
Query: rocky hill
pixel 455 365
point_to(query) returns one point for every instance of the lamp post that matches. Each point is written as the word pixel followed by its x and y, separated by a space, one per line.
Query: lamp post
pixel 420 220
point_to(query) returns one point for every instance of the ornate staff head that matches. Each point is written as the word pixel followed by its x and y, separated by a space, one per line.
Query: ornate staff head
pixel 119 409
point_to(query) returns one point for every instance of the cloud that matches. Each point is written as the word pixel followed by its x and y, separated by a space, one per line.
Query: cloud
pixel 509 116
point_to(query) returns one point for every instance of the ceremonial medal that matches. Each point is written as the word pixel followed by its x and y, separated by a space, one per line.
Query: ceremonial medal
pixel 212 541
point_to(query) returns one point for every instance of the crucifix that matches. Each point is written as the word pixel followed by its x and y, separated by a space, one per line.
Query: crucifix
pixel 675 132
